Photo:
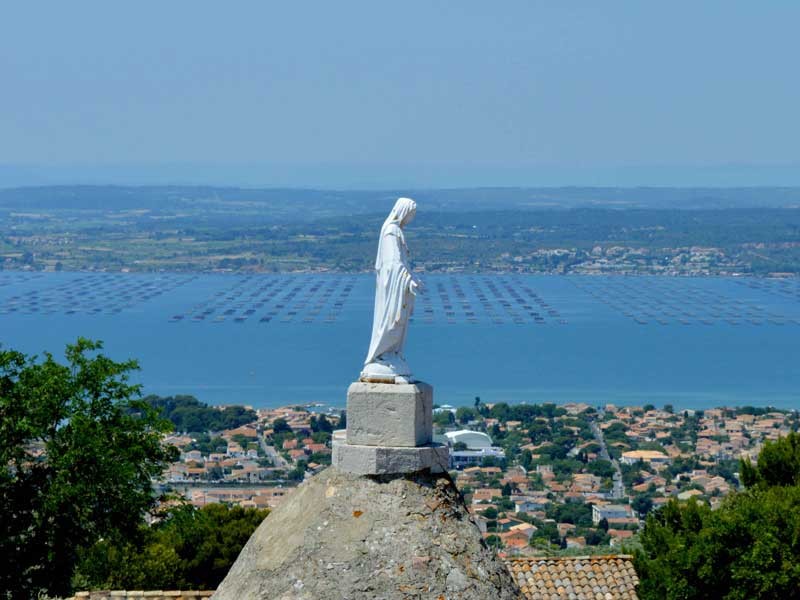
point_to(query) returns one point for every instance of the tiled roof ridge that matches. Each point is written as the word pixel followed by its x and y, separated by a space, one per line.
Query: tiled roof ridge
pixel 560 558
pixel 588 577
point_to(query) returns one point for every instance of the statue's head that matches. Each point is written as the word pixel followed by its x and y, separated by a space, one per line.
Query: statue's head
pixel 404 211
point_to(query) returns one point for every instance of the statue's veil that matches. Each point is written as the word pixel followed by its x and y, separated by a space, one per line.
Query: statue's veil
pixel 400 212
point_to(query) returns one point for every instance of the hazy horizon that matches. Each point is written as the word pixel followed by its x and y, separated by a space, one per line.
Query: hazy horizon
pixel 358 95
pixel 370 178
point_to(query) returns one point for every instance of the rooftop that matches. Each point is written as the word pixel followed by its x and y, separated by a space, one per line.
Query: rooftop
pixel 580 577
pixel 540 578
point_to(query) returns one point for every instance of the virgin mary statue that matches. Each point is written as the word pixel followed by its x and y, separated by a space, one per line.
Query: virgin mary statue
pixel 395 290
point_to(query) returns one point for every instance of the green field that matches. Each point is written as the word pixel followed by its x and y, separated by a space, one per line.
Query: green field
pixel 670 232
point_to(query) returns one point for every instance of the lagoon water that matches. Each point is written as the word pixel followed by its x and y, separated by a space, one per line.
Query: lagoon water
pixel 267 340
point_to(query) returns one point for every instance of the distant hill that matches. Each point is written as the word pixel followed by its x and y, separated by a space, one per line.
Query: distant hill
pixel 301 204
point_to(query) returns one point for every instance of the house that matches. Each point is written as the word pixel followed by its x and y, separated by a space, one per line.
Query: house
pixel 196 473
pixel 611 512
pixel 515 539
pixel 565 528
pixel 234 449
pixel 689 494
pixel 650 457
pixel 297 454
pixel 585 483
pixel 270 498
pixel 317 448
pixel 486 494
pixel 576 542
pixel 192 455
pixel 176 472
pixel 618 536
pixel 525 528
pixel 506 524
pixel 248 432
pixel 528 504
pixel 249 473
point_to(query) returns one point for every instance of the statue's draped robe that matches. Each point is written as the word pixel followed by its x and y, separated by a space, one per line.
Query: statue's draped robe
pixel 394 301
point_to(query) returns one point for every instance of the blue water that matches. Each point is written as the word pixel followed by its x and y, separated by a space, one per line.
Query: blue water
pixel 268 340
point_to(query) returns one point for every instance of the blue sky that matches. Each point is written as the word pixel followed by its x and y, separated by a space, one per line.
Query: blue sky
pixel 376 94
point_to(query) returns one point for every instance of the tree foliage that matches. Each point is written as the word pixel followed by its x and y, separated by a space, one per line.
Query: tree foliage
pixel 188 549
pixel 778 464
pixel 78 451
pixel 577 513
pixel 601 468
pixel 188 414
pixel 749 548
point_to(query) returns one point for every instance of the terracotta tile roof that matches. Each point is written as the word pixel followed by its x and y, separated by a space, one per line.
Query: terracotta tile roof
pixel 580 578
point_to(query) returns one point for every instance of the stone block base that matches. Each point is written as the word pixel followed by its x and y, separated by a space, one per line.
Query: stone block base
pixel 383 460
pixel 385 414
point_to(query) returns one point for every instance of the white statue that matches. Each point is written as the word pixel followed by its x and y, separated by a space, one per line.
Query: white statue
pixel 395 290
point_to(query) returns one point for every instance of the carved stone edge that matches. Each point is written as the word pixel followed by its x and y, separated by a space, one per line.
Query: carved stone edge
pixel 389 460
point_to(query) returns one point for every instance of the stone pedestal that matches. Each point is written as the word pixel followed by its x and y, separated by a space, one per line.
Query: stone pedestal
pixel 389 431
pixel 386 414
pixel 386 460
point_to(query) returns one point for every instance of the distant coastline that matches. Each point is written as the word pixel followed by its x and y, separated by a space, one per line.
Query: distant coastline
pixel 568 230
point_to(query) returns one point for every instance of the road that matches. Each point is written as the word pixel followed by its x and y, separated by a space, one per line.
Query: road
pixel 617 489
pixel 273 454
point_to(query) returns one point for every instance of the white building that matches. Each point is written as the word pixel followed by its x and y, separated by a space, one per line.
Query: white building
pixel 474 440
pixel 611 511
pixel 478 446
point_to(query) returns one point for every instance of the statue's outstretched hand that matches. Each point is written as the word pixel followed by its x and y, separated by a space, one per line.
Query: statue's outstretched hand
pixel 416 286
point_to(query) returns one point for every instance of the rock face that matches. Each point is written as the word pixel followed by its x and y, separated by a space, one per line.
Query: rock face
pixel 342 536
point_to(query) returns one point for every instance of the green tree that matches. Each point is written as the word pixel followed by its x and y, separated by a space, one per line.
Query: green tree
pixel 749 548
pixel 505 503
pixel 601 468
pixel 596 537
pixel 526 459
pixel 494 541
pixel 778 464
pixel 465 414
pixel 189 548
pixel 444 418
pixel 78 451
pixel 490 461
pixel 642 504
pixel 280 425
pixel 577 513
pixel 490 513
pixel 321 424
pixel 187 413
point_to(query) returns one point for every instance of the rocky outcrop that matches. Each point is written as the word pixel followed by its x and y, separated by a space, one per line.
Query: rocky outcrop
pixel 140 595
pixel 341 536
